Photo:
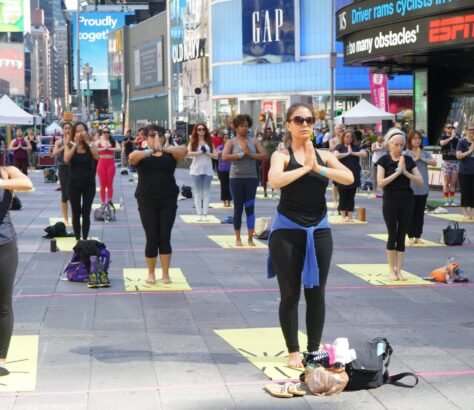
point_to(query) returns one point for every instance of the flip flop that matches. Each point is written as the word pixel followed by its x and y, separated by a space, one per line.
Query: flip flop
pixel 278 390
pixel 295 389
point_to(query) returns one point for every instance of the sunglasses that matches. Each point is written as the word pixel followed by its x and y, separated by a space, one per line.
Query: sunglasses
pixel 105 132
pixel 300 120
pixel 200 129
pixel 449 127
pixel 471 129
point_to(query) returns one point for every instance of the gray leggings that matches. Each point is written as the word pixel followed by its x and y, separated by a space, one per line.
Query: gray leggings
pixel 9 264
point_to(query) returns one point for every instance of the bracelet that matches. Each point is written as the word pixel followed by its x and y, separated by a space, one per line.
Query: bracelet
pixel 73 144
pixel 147 152
pixel 241 154
pixel 323 171
pixel 399 170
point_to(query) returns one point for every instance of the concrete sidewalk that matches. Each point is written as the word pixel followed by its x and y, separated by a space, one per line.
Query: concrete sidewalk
pixel 111 349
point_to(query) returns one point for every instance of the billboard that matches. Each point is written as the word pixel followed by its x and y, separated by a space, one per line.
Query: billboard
pixel 12 66
pixel 189 34
pixel 268 31
pixel 94 28
pixel 11 16
pixel 149 65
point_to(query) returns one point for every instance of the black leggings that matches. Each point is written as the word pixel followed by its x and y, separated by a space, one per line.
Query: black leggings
pixel 397 211
pixel 81 209
pixel 287 253
pixel 9 264
pixel 243 192
pixel 415 228
pixel 157 218
pixel 466 182
pixel 63 175
pixel 346 199
pixel 225 189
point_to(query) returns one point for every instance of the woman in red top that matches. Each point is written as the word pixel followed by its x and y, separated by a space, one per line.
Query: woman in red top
pixel 107 148
pixel 20 147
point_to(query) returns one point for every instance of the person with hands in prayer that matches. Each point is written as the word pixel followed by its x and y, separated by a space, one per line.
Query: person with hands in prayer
pixel 300 243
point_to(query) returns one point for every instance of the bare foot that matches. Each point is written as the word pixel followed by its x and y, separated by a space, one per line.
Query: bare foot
pixel 294 360
pixel 401 277
pixel 151 279
pixel 418 240
pixel 393 277
pixel 165 280
pixel 238 242
pixel 251 242
pixel 411 241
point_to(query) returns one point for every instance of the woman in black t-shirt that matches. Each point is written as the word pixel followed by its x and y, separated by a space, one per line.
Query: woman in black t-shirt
pixel 464 153
pixel 450 166
pixel 349 154
pixel 157 198
pixel 394 174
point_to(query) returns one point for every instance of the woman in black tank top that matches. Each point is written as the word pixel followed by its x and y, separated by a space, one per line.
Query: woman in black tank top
pixel 302 175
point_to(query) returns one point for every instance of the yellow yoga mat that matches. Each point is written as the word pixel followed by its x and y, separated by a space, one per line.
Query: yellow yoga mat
pixel 338 220
pixel 215 183
pixel 332 205
pixel 384 237
pixel 194 219
pixel 378 275
pixel 265 348
pixel 66 244
pixel 228 242
pixel 22 363
pixel 452 217
pixel 135 280
pixel 269 196
pixel 219 205
pixel 52 221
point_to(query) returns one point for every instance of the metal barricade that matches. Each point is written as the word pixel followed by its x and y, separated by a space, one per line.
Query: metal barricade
pixel 366 173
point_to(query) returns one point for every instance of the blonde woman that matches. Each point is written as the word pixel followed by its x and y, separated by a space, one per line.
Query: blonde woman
pixel 395 173
pixel 300 242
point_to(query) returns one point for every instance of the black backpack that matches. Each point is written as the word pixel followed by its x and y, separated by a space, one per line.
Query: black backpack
pixel 186 191
pixel 370 369
pixel 16 204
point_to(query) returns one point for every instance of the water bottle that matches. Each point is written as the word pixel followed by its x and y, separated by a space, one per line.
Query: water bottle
pixel 53 245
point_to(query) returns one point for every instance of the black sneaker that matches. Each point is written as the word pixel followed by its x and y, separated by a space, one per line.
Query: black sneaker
pixel 104 280
pixel 93 281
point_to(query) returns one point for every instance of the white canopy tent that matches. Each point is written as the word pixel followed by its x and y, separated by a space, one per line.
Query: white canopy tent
pixel 52 128
pixel 10 113
pixel 364 113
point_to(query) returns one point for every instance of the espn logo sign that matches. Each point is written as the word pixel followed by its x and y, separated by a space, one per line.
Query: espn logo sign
pixel 452 28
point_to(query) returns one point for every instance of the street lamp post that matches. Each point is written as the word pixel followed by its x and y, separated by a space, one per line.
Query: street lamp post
pixel 87 71
pixel 78 57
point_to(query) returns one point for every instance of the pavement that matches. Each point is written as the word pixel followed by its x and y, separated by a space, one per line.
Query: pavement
pixel 111 349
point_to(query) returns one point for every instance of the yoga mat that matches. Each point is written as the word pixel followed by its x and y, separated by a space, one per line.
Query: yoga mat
pixel 339 220
pixel 377 275
pixel 384 237
pixel 215 183
pixel 264 348
pixel 22 363
pixel 66 244
pixel 262 196
pixel 228 242
pixel 135 280
pixel 193 219
pixel 451 217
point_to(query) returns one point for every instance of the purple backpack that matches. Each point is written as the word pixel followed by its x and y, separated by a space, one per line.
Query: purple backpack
pixel 76 270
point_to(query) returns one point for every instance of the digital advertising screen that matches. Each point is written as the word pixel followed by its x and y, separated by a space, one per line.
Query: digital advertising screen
pixel 12 66
pixel 11 16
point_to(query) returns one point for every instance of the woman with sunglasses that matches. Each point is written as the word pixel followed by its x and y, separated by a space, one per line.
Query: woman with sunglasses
pixel 63 169
pixel 107 147
pixel 349 154
pixel 420 192
pixel 243 151
pixel 395 173
pixel 464 153
pixel 157 198
pixel 80 154
pixel 201 150
pixel 11 179
pixel 450 166
pixel 300 242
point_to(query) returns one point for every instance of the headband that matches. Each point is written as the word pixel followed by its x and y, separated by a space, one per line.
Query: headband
pixel 393 135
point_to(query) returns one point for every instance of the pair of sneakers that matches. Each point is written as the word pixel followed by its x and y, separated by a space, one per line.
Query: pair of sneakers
pixel 98 280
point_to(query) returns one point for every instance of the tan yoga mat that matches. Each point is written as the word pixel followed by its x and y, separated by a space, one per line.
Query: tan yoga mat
pixel 426 243
pixel 339 220
pixel 22 363
pixel 194 219
pixel 220 205
pixel 452 217
pixel 378 275
pixel 228 242
pixel 264 348
pixel 135 280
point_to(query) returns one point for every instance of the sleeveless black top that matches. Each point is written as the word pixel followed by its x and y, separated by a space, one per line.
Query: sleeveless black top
pixel 7 232
pixel 156 178
pixel 304 200
pixel 82 170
